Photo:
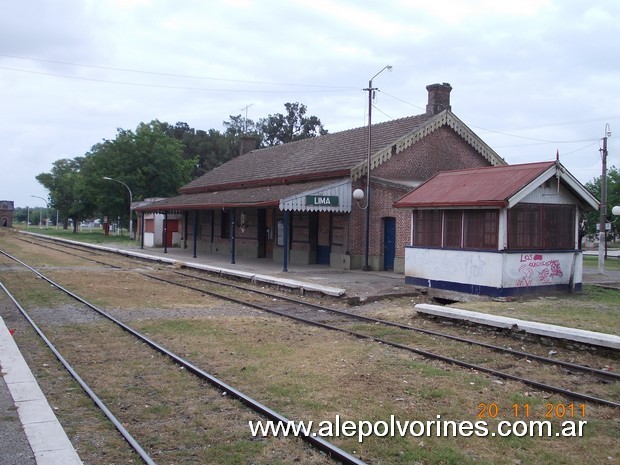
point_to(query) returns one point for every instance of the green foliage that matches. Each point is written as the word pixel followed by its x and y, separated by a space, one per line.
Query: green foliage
pixel 207 150
pixel 65 185
pixel 157 159
pixel 294 125
pixel 148 160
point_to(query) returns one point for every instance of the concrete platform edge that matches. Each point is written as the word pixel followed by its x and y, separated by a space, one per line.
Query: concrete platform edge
pixel 267 279
pixel 47 438
pixel 542 329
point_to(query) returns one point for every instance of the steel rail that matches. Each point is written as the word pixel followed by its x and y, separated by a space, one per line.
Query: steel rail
pixel 505 350
pixel 102 406
pixel 69 253
pixel 427 354
pixel 316 441
pixel 516 353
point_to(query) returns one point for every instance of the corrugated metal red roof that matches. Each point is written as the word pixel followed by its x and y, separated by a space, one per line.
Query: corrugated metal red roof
pixel 488 186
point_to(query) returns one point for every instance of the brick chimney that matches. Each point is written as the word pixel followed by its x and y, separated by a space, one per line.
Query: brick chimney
pixel 438 98
pixel 247 143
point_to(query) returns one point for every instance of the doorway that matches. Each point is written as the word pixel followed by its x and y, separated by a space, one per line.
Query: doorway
pixel 389 243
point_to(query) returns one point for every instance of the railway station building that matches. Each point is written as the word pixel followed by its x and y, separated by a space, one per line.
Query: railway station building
pixel 293 203
pixel 497 231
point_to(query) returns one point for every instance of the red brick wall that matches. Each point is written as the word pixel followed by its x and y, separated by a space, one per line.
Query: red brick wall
pixel 440 151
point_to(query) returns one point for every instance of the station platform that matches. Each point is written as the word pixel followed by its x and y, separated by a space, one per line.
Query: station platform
pixel 31 433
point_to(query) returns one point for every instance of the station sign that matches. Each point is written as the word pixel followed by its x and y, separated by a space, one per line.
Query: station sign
pixel 322 201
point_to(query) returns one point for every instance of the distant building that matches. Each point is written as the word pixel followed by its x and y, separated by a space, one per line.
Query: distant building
pixel 6 213
pixel 497 231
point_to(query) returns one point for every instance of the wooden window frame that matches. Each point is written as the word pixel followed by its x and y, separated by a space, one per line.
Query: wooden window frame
pixel 541 226
pixel 457 228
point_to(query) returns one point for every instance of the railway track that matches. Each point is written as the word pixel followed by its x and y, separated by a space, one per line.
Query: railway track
pixel 400 336
pixel 160 373
pixel 596 385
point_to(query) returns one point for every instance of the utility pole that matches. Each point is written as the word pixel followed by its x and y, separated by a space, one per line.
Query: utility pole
pixel 602 235
pixel 371 91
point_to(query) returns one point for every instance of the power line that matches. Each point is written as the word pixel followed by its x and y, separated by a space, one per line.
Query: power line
pixel 163 86
pixel 156 73
pixel 504 133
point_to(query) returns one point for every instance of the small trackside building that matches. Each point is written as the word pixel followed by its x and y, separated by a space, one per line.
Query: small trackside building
pixel 497 231
pixel 6 213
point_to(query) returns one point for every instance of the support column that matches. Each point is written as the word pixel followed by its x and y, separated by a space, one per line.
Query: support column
pixel 166 231
pixel 232 235
pixel 285 241
pixel 195 230
pixel 142 232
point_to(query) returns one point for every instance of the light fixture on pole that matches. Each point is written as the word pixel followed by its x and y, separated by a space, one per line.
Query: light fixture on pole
pixel 358 194
pixel 130 201
pixel 46 207
pixel 602 234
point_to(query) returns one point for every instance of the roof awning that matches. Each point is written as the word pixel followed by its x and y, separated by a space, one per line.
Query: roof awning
pixel 330 197
pixel 303 196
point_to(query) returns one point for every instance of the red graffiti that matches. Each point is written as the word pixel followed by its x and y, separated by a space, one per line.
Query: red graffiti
pixel 546 270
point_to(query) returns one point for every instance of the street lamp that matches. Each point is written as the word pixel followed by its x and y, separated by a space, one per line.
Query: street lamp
pixel 602 234
pixel 130 201
pixel 358 194
pixel 46 207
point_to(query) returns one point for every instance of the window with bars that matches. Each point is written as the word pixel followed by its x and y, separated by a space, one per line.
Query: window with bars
pixel 471 229
pixel 452 228
pixel 541 226
pixel 427 228
pixel 481 229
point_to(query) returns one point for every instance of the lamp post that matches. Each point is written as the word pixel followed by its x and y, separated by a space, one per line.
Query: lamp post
pixel 358 194
pixel 602 235
pixel 46 207
pixel 130 201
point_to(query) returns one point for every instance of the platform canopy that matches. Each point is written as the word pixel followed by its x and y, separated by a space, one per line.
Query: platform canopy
pixel 334 196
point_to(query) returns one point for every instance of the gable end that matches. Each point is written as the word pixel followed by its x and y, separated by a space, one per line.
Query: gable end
pixel 446 117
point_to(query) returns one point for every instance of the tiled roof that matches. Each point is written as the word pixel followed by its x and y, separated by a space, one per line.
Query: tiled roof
pixel 331 154
pixel 488 186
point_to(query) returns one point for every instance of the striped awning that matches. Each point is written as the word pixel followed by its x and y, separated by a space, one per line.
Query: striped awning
pixel 332 197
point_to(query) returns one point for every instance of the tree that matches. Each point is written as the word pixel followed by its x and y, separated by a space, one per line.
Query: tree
pixel 237 128
pixel 148 160
pixel 210 148
pixel 294 125
pixel 65 186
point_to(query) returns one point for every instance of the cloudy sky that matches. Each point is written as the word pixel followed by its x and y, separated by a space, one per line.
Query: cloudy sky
pixel 531 77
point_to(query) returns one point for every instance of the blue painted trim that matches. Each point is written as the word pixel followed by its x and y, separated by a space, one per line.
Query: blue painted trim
pixel 491 291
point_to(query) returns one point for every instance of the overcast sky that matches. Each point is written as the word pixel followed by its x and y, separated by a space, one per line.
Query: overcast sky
pixel 530 77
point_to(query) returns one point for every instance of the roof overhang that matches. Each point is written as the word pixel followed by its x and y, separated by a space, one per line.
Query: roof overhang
pixel 328 195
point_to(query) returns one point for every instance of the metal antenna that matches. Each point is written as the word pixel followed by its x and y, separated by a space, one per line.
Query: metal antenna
pixel 245 121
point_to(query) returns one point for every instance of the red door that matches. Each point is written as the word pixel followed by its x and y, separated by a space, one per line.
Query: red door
pixel 173 226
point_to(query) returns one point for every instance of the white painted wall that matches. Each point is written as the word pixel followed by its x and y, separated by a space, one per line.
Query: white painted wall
pixel 456 266
pixel 494 269
pixel 542 268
